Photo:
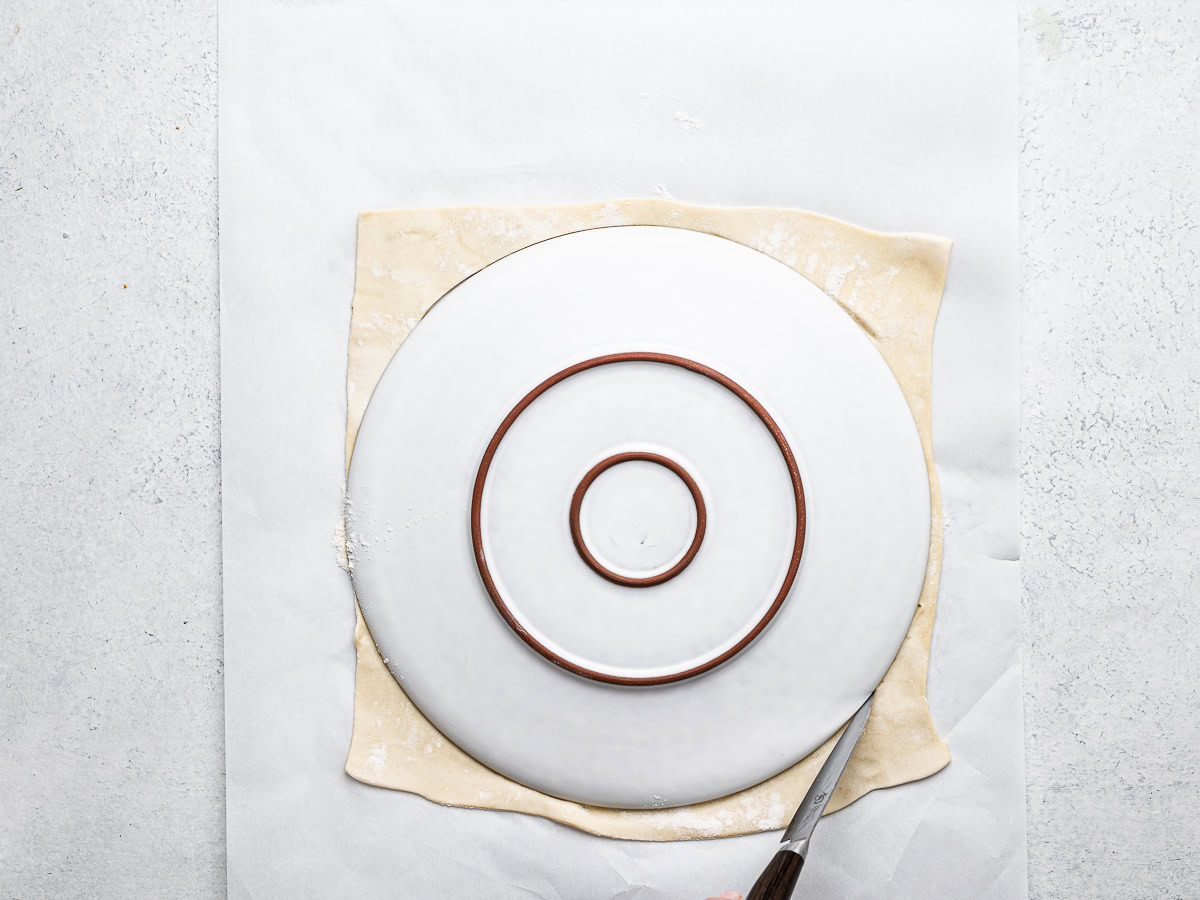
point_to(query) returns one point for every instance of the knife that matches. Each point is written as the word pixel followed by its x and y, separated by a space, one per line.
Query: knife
pixel 778 879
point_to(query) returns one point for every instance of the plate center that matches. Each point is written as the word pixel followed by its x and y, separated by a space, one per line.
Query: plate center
pixel 691 424
pixel 637 518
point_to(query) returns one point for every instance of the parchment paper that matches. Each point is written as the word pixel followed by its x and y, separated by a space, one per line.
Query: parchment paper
pixel 890 285
pixel 893 116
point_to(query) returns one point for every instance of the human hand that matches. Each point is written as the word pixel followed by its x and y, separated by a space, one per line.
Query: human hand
pixel 727 895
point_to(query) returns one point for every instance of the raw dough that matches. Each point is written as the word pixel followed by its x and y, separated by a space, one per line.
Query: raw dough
pixel 890 284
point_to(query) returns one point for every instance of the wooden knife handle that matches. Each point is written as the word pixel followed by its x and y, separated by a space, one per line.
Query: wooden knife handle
pixel 778 879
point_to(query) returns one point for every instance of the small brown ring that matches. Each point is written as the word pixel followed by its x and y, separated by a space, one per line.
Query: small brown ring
pixel 489 454
pixel 577 531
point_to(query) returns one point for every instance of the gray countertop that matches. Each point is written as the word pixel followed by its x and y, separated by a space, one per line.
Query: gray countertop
pixel 111 740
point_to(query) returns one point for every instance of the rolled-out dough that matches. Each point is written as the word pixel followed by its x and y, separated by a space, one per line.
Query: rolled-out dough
pixel 891 284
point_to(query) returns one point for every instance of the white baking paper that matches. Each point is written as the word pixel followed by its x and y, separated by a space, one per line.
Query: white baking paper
pixel 892 116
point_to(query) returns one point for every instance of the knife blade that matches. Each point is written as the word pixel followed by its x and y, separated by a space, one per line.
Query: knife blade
pixel 778 880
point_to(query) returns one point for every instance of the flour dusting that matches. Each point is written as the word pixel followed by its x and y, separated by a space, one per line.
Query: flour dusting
pixel 610 214
pixel 687 124
pixel 341 541
pixel 837 278
pixel 378 757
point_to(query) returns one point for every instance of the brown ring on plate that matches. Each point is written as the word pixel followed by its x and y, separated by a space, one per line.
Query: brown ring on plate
pixel 489 583
pixel 577 531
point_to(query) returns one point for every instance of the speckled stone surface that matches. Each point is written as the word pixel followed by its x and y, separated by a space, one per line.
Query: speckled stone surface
pixel 111 772
pixel 1111 447
pixel 111 740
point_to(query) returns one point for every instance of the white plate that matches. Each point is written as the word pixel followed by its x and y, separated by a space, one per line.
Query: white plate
pixel 520 637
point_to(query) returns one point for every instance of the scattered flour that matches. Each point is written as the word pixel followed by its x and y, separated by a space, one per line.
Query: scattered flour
pixel 341 542
pixel 837 278
pixel 378 757
pixel 775 241
pixel 610 214
pixel 688 124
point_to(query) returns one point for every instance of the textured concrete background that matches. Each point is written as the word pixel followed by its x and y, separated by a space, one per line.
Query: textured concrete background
pixel 1110 163
pixel 111 772
pixel 111 738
